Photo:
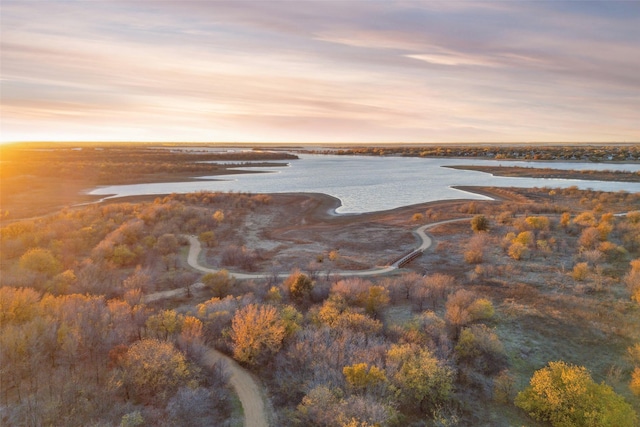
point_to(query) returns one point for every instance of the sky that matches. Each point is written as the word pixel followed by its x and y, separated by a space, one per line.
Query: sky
pixel 320 71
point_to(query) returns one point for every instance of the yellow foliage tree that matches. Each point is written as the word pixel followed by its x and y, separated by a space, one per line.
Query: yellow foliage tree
pixel 153 370
pixel 565 395
pixel 40 261
pixel 538 222
pixel 361 376
pixel 634 385
pixel 165 324
pixel 422 380
pixel 257 332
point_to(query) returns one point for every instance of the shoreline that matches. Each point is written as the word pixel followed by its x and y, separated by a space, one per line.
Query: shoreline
pixel 325 209
pixel 547 173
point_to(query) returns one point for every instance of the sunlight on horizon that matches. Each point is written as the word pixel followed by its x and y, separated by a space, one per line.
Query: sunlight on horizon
pixel 351 72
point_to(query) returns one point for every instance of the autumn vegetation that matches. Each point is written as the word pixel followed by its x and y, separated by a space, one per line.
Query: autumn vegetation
pixel 620 152
pixel 39 178
pixel 525 312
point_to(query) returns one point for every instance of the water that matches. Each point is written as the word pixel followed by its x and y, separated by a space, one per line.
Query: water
pixel 368 184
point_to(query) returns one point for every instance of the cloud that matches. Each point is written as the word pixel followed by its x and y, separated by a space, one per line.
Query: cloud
pixel 401 71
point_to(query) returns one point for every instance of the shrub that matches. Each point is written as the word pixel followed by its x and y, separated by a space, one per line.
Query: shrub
pixel 580 271
pixel 481 309
pixel 473 256
pixel 538 222
pixel 518 251
pixel 504 387
pixel 480 347
pixel 479 223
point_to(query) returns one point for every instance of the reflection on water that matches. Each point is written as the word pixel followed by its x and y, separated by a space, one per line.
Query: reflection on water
pixel 367 184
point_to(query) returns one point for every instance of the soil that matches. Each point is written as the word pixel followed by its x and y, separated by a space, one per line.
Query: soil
pixel 302 231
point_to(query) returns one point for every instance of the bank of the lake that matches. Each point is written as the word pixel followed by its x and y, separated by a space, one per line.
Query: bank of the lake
pixel 369 184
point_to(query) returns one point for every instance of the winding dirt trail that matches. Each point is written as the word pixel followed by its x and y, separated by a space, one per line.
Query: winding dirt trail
pixel 425 243
pixel 248 389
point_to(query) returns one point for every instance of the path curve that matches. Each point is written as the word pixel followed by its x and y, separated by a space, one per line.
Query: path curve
pixel 247 388
pixel 421 232
pixel 195 248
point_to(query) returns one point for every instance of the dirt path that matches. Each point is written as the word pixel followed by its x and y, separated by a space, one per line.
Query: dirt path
pixel 425 243
pixel 195 249
pixel 247 388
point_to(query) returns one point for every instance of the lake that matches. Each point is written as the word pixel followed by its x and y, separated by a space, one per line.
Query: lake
pixel 368 184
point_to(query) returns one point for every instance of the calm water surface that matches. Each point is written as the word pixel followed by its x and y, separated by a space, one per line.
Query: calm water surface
pixel 367 184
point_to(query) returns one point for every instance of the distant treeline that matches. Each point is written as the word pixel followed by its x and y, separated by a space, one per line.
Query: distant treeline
pixel 37 179
pixel 115 165
pixel 498 152
pixel 605 175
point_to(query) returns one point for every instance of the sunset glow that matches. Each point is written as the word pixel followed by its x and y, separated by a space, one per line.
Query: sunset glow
pixel 320 71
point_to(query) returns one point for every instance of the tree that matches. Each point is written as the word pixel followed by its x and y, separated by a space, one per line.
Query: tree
pixel 140 279
pixel 291 319
pixel 464 307
pixel 634 385
pixel 375 299
pixel 193 407
pixel 257 333
pixel 407 283
pixel 64 281
pixel 40 261
pixel 362 377
pixel 476 248
pixel 191 334
pixel 299 285
pixel 208 238
pixel 325 407
pixel 423 381
pixel 220 283
pixel 566 395
pixel 518 251
pixel 165 324
pixel 479 223
pixel 132 419
pixel 585 219
pixel 18 305
pixel 580 271
pixel 122 256
pixel 153 370
pixel 632 280
pixel 167 244
pixel 434 288
pixel 319 406
pixel 589 238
